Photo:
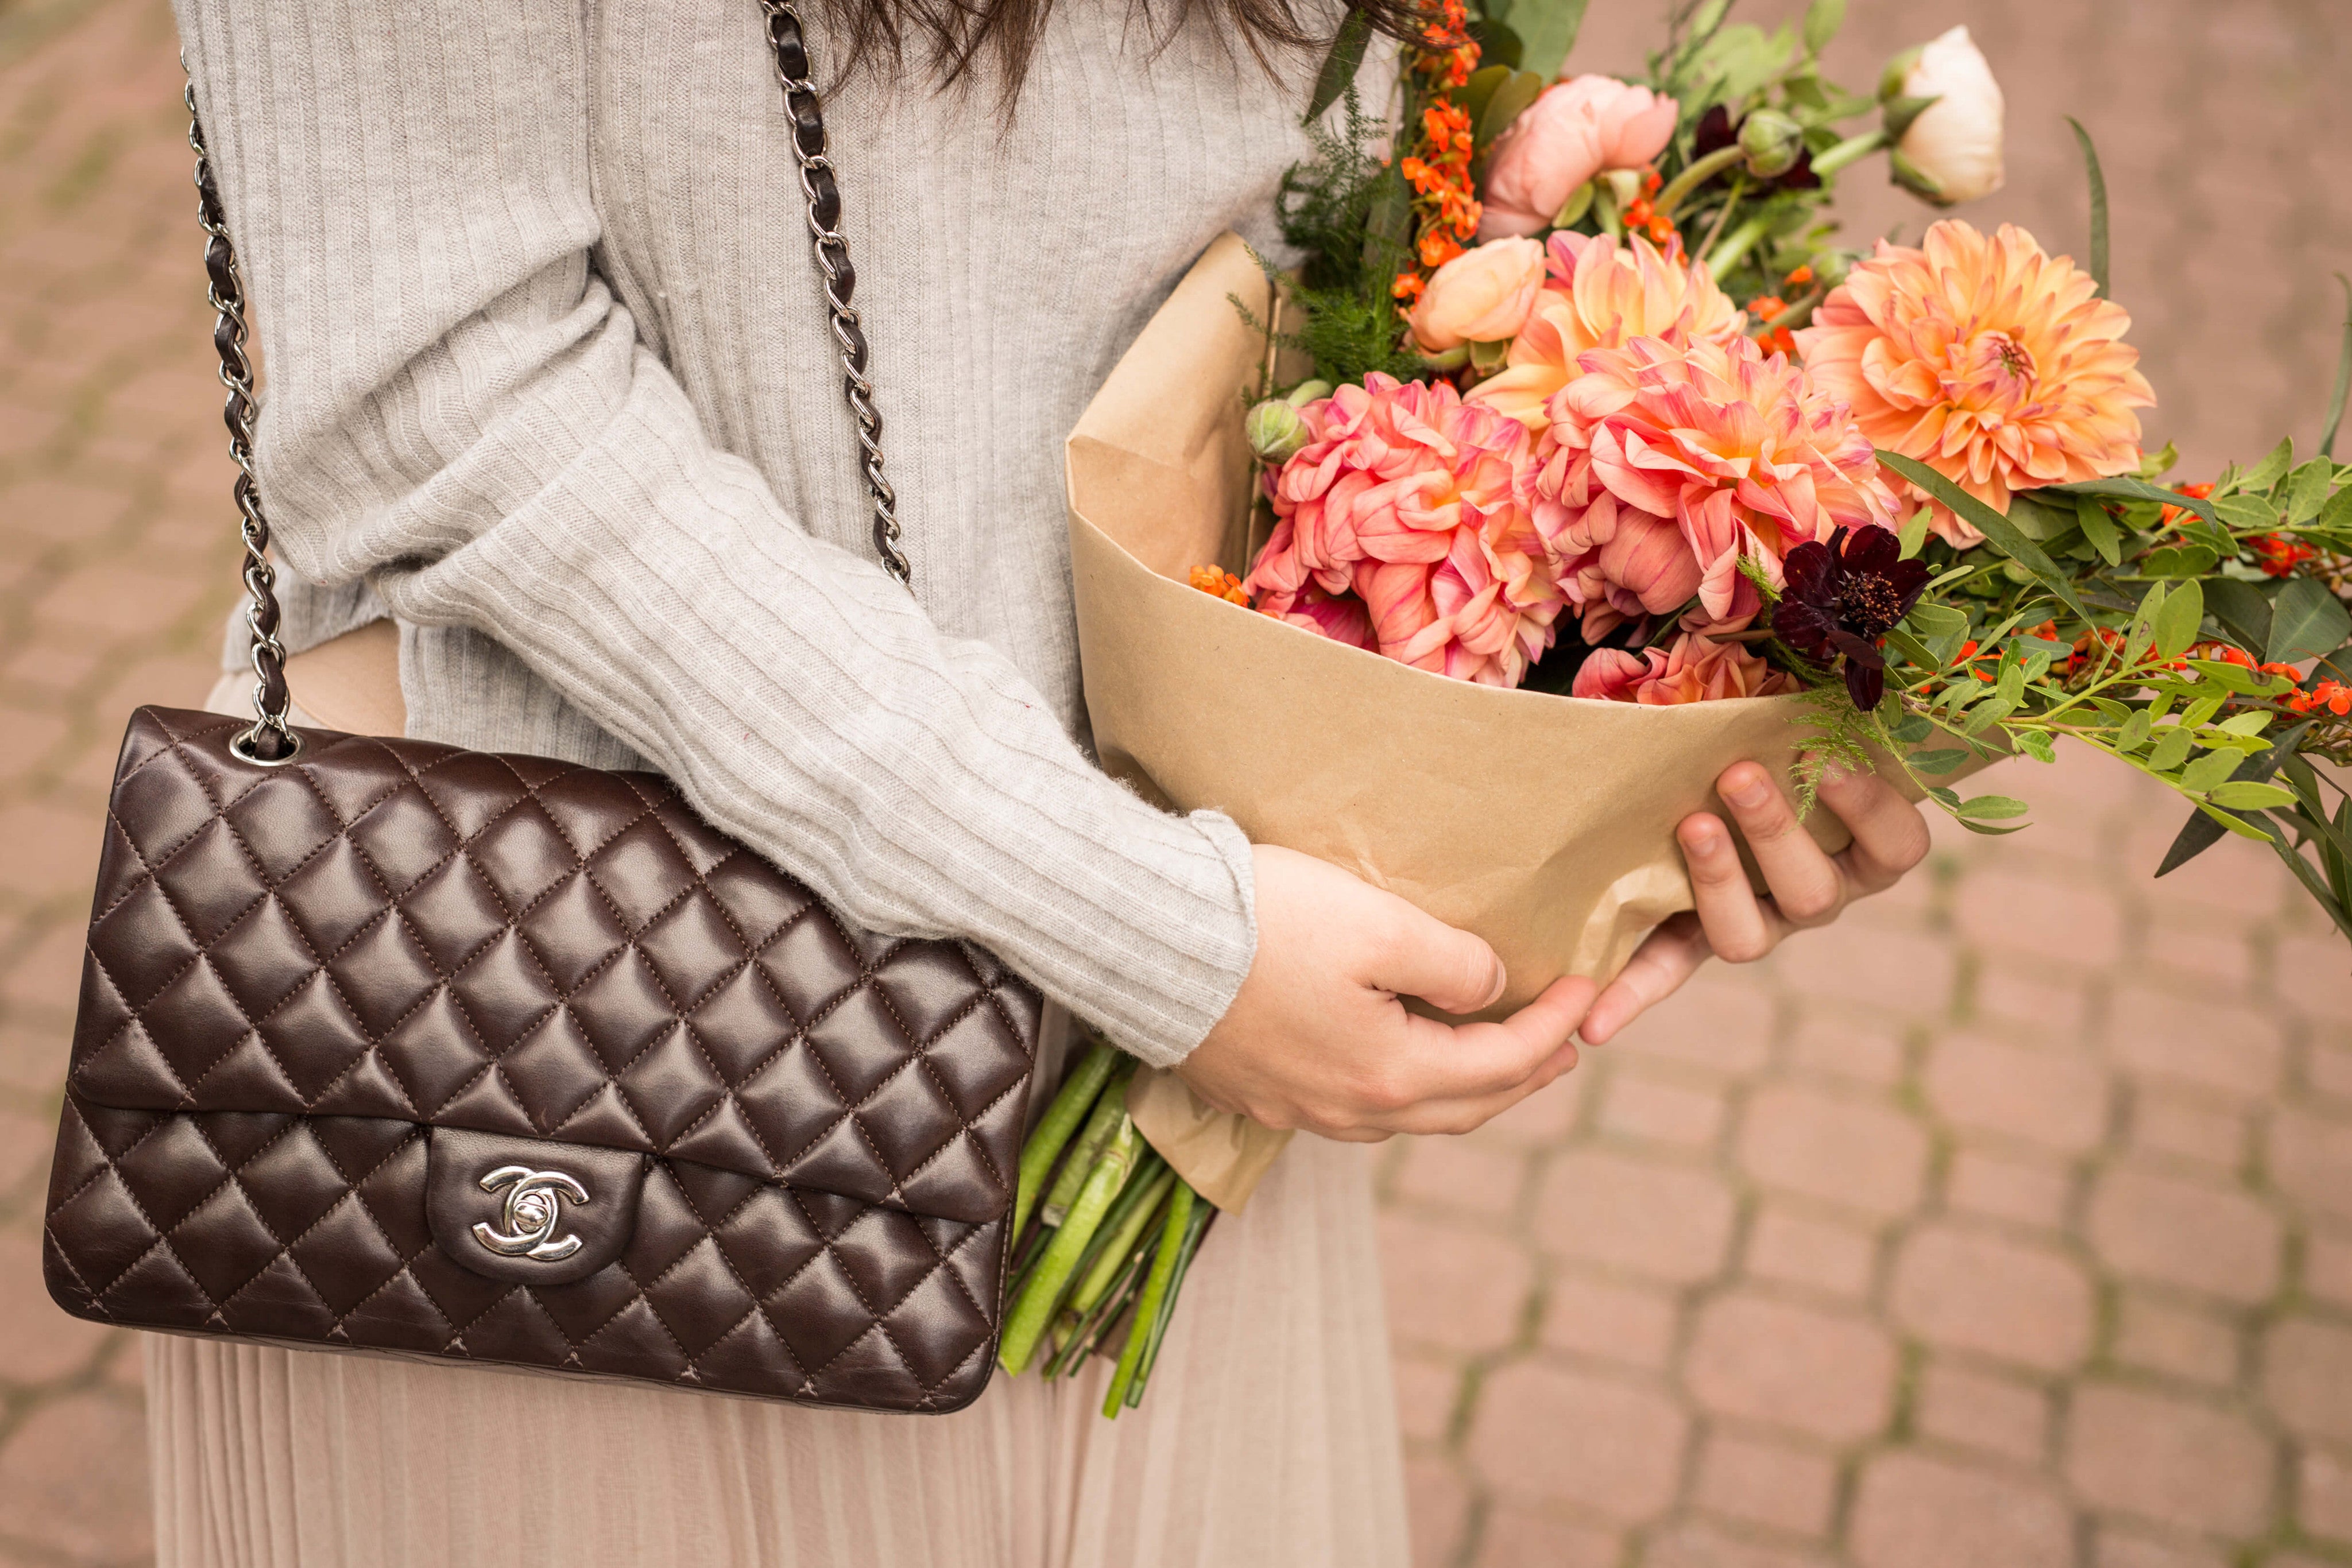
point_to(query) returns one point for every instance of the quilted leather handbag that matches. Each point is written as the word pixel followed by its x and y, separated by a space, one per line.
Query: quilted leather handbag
pixel 390 1046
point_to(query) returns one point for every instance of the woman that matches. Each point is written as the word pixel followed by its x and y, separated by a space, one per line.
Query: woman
pixel 550 385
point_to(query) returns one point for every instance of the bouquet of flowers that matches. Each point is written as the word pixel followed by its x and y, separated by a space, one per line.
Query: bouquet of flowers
pixel 1575 405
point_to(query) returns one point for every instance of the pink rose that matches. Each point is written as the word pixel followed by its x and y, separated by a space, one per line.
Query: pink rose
pixel 1481 296
pixel 1697 669
pixel 1573 132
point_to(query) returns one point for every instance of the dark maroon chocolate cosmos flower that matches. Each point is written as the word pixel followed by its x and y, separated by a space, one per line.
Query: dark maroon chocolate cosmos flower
pixel 1842 599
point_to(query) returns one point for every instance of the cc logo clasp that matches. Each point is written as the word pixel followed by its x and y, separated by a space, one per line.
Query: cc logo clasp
pixel 534 1206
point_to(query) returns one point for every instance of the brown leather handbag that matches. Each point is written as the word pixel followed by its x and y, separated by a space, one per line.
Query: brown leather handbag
pixel 389 1046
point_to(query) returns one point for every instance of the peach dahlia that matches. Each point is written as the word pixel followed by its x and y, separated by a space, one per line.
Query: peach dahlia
pixel 1983 357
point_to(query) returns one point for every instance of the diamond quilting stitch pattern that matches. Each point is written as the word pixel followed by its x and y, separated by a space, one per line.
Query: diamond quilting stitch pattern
pixel 292 975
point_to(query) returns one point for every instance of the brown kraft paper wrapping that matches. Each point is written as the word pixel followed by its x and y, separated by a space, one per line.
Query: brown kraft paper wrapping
pixel 1543 823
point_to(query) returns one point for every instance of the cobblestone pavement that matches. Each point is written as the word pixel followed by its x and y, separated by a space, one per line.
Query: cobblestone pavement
pixel 2007 1226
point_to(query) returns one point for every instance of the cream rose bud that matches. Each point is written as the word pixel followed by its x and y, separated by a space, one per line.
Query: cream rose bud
pixel 1956 141
pixel 1481 296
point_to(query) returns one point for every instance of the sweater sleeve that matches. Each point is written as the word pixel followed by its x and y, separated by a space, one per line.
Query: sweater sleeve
pixel 461 414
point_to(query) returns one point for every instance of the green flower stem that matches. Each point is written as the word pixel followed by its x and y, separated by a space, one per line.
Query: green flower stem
pixel 1199 1227
pixel 1853 149
pixel 1699 173
pixel 1108 1111
pixel 1061 1119
pixel 1155 1291
pixel 1098 1322
pixel 1738 243
pixel 1033 1311
pixel 1121 1229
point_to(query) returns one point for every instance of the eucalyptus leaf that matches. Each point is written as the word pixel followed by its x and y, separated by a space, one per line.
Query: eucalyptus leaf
pixel 2203 829
pixel 1988 831
pixel 2039 519
pixel 2179 561
pixel 2307 621
pixel 2208 771
pixel 2243 610
pixel 1915 532
pixel 2241 512
pixel 2222 672
pixel 1510 100
pixel 1993 808
pixel 2033 743
pixel 1913 650
pixel 1473 95
pixel 2172 750
pixel 2337 513
pixel 1998 531
pixel 2238 825
pixel 1942 761
pixel 2194 715
pixel 2308 489
pixel 2249 723
pixel 1911 731
pixel 2177 623
pixel 2244 795
pixel 2272 468
pixel 2127 489
pixel 2098 527
pixel 1339 66
pixel 2134 732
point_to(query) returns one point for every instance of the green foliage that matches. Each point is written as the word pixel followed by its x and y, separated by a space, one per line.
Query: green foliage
pixel 1345 208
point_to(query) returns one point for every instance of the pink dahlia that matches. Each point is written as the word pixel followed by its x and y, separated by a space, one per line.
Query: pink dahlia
pixel 1600 295
pixel 1697 669
pixel 1664 463
pixel 1987 360
pixel 1417 504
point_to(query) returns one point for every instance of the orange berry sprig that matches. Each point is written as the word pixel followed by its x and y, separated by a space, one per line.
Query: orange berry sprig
pixel 1436 160
pixel 1218 583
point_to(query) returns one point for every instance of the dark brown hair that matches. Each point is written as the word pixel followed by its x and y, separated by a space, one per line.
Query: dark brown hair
pixel 961 41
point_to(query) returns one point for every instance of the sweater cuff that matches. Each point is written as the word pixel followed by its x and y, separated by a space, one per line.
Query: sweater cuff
pixel 1163 1035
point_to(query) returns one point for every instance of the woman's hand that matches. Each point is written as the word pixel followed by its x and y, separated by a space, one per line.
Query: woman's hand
pixel 1809 887
pixel 1316 1038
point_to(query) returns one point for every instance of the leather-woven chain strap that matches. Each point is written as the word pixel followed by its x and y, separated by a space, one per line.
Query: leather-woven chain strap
pixel 271 742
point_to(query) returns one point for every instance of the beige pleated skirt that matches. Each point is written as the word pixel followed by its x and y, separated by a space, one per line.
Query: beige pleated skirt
pixel 1269 1438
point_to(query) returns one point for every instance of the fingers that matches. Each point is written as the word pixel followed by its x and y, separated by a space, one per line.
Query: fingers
pixel 1736 924
pixel 1808 888
pixel 1667 956
pixel 1421 955
pixel 1890 836
pixel 1475 1061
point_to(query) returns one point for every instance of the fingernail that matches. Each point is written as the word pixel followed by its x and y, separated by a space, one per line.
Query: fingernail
pixel 1702 836
pixel 1502 983
pixel 1753 792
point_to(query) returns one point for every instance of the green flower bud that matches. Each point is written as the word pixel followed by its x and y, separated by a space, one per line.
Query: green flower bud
pixel 1771 140
pixel 1274 430
pixel 1306 392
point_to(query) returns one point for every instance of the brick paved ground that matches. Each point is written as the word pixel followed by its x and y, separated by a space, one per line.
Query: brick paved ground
pixel 2008 1226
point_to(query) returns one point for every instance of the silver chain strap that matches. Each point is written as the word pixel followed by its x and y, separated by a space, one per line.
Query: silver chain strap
pixel 823 199
pixel 270 741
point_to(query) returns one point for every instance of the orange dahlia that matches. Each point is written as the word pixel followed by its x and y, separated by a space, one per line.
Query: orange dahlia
pixel 1987 360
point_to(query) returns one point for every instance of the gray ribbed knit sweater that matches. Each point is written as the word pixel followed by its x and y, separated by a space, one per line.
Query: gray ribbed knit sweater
pixel 548 378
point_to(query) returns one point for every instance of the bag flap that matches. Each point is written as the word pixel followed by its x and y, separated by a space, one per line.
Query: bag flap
pixel 391 928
